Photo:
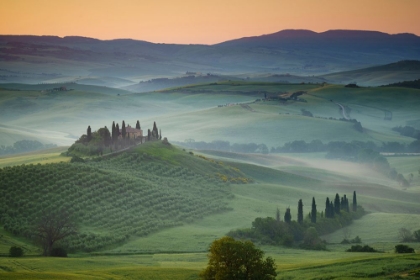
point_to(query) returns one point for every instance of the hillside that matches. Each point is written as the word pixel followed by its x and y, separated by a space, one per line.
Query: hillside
pixel 379 75
pixel 113 199
pixel 119 63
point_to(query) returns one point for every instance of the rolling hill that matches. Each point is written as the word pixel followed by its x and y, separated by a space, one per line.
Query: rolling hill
pixel 404 70
pixel 49 59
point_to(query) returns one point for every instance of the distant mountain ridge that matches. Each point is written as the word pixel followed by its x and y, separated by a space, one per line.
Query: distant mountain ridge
pixel 49 59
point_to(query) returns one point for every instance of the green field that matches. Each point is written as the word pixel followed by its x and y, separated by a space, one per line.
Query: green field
pixel 151 212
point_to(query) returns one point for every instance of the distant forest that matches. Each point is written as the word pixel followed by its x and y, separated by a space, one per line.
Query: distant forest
pixel 24 146
pixel 407 84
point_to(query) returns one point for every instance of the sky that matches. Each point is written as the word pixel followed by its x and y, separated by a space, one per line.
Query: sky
pixel 200 21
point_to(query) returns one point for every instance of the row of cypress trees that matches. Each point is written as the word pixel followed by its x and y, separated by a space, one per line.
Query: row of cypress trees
pixel 331 209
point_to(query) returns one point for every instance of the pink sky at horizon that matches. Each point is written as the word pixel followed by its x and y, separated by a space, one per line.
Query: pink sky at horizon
pixel 202 22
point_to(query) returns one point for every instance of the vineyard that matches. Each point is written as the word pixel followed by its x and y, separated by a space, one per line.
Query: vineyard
pixel 112 199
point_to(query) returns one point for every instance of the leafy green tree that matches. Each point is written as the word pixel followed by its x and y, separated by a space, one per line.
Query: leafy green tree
pixel 15 252
pixel 53 227
pixel 354 201
pixel 313 211
pixel 287 216
pixel 232 259
pixel 300 211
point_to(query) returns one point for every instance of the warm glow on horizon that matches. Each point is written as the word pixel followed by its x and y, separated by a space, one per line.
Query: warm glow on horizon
pixel 202 22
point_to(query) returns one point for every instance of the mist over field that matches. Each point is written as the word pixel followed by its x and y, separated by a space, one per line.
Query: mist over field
pixel 151 152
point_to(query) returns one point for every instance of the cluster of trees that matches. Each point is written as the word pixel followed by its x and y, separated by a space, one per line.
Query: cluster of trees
pixel 407 236
pixel 24 146
pixel 408 131
pixel 103 141
pixel 130 194
pixel 305 230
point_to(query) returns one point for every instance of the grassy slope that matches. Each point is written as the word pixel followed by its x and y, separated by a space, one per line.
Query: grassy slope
pixel 273 188
pixel 44 156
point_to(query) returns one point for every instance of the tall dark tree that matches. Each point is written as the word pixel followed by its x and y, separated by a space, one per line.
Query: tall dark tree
pixel 327 208
pixel 53 227
pixel 300 212
pixel 117 131
pixel 287 215
pixel 148 135
pixel 113 132
pixel 155 132
pixel 160 134
pixel 354 202
pixel 123 132
pixel 332 211
pixel 138 125
pixel 313 211
pixel 278 215
pixel 337 205
pixel 89 134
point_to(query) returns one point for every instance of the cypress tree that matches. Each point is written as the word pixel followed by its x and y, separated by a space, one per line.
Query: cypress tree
pixel 155 132
pixel 117 131
pixel 123 133
pixel 113 134
pixel 160 134
pixel 148 135
pixel 89 134
pixel 313 211
pixel 337 205
pixel 300 211
pixel 327 208
pixel 332 212
pixel 278 215
pixel 354 202
pixel 138 125
pixel 288 216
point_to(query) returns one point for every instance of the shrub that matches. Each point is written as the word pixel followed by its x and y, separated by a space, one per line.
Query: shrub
pixel 417 235
pixel 15 252
pixel 360 248
pixel 402 249
pixel 357 239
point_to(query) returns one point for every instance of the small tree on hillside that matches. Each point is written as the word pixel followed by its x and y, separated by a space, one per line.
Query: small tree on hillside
pixel 278 215
pixel 300 211
pixel 53 227
pixel 313 211
pixel 327 208
pixel 287 216
pixel 138 125
pixel 89 134
pixel 354 202
pixel 123 132
pixel 337 205
pixel 232 259
pixel 113 134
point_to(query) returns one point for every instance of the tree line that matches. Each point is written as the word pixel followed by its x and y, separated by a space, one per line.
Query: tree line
pixel 24 146
pixel 305 230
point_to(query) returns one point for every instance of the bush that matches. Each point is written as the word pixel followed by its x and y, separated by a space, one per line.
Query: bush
pixel 417 235
pixel 402 249
pixel 360 248
pixel 59 252
pixel 356 240
pixel 15 252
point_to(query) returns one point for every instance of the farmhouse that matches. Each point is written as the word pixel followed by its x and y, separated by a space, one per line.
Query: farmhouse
pixel 131 133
